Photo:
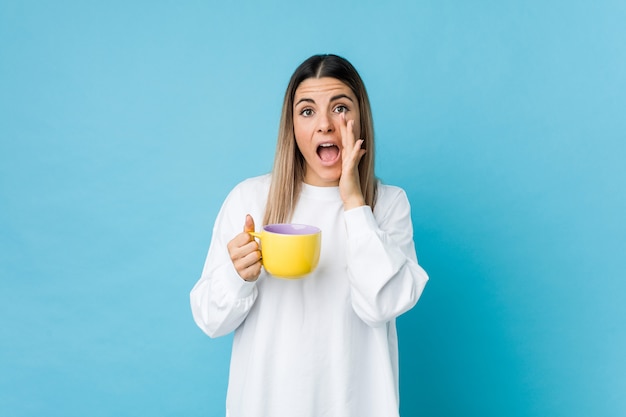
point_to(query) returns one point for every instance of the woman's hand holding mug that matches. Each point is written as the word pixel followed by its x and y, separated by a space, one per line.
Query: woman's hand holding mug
pixel 244 252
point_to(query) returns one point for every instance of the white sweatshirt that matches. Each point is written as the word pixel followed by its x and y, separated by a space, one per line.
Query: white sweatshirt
pixel 325 344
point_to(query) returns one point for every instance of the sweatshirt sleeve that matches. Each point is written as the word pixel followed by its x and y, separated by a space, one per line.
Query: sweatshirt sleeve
pixel 221 299
pixel 385 277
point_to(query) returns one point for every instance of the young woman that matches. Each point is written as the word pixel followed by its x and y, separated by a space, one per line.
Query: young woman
pixel 326 344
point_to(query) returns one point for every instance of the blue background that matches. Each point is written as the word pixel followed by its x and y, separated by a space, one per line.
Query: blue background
pixel 123 125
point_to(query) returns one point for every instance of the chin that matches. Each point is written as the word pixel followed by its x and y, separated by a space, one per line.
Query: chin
pixel 323 180
pixel 331 181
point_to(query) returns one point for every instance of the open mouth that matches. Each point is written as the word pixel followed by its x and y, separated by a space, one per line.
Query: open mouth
pixel 328 152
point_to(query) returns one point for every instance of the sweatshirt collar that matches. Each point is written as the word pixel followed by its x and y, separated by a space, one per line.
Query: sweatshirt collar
pixel 320 193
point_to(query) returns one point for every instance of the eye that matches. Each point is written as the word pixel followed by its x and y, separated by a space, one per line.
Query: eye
pixel 341 109
pixel 306 112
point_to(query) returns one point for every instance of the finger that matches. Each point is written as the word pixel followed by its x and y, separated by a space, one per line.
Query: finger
pixel 251 273
pixel 353 156
pixel 358 149
pixel 240 246
pixel 240 240
pixel 240 252
pixel 347 132
pixel 249 224
pixel 249 267
pixel 248 260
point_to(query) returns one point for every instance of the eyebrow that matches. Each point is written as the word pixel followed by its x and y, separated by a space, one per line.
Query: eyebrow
pixel 333 98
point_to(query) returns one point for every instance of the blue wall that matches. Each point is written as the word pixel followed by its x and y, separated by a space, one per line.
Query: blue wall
pixel 124 124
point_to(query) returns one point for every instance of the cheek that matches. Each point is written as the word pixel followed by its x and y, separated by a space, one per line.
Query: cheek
pixel 301 134
pixel 299 142
pixel 298 135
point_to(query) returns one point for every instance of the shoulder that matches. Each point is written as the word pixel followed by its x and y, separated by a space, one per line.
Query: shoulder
pixel 252 186
pixel 386 193
pixel 391 203
pixel 249 191
pixel 247 197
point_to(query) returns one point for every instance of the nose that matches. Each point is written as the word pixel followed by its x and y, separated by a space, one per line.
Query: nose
pixel 324 123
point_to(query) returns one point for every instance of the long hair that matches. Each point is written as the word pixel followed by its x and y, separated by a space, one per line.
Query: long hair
pixel 289 164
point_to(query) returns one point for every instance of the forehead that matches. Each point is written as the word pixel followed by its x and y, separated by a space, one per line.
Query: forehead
pixel 325 87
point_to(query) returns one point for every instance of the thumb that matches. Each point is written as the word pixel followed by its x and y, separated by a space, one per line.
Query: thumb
pixel 249 225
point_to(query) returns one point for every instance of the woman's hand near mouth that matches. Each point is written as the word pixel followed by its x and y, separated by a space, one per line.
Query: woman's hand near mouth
pixel 351 154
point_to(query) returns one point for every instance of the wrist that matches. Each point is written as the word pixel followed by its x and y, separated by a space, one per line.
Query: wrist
pixel 354 202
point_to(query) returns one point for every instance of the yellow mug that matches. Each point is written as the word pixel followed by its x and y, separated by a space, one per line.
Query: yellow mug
pixel 289 250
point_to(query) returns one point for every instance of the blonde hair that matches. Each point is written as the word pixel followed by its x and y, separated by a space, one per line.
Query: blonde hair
pixel 289 164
